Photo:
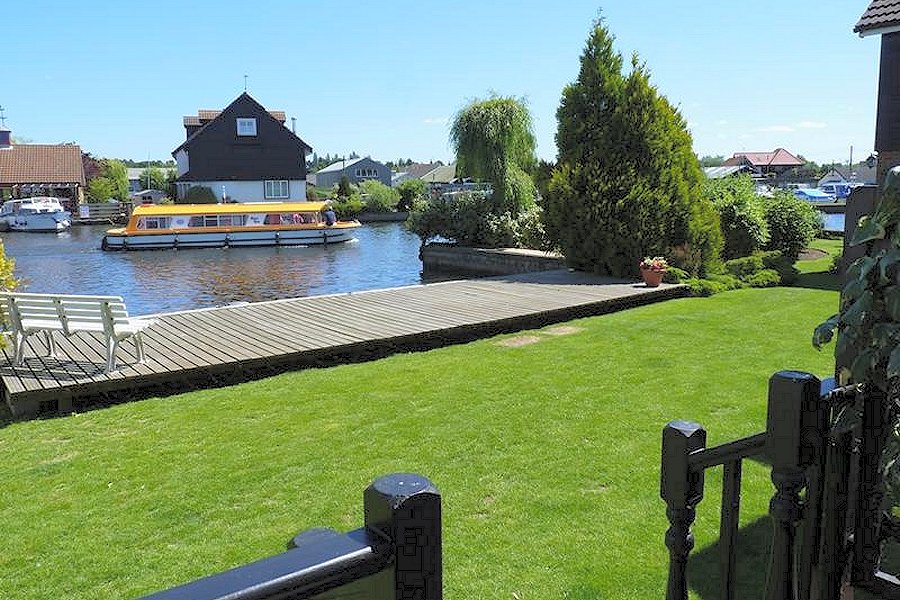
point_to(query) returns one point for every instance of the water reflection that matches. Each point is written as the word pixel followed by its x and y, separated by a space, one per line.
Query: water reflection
pixel 383 255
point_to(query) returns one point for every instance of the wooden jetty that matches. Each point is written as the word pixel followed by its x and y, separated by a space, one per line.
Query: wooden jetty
pixel 220 346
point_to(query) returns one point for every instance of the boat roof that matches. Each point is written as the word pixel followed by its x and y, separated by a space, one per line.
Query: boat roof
pixel 218 209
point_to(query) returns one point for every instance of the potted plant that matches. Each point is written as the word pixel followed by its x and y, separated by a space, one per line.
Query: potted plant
pixel 653 269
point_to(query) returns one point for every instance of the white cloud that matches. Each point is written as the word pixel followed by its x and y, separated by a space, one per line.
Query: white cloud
pixel 811 125
pixel 776 128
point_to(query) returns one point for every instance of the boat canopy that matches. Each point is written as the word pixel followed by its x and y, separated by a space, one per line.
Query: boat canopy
pixel 813 195
pixel 154 210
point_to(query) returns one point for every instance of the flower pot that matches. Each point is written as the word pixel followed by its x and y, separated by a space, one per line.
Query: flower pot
pixel 652 278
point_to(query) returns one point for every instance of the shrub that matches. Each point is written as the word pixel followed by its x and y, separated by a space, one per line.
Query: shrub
pixel 466 219
pixel 311 194
pixel 764 278
pixel 727 281
pixel 675 275
pixel 774 259
pixel 744 267
pixel 410 191
pixel 379 197
pixel 344 188
pixel 792 222
pixel 199 194
pixel 742 214
pixel 704 287
pixel 348 208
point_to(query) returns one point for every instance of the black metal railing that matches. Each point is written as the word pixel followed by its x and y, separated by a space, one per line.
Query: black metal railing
pixel 396 555
pixel 827 510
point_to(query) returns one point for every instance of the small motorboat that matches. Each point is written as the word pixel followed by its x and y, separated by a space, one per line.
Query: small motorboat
pixel 38 214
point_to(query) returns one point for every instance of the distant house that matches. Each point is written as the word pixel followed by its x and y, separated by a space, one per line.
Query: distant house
pixel 147 196
pixel 835 175
pixel 137 180
pixel 243 153
pixel 414 171
pixel 40 170
pixel 721 172
pixel 770 164
pixel 356 170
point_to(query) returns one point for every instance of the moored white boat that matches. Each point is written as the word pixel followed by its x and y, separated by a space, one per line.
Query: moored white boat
pixel 154 227
pixel 38 214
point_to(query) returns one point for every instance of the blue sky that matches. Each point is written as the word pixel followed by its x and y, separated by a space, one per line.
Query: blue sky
pixel 384 79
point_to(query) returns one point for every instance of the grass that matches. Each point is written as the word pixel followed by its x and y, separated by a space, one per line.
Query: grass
pixel 545 446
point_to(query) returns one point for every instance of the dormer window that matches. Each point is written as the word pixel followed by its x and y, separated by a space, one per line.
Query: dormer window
pixel 246 127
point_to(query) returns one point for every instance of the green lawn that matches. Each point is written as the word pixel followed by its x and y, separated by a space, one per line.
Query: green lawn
pixel 546 453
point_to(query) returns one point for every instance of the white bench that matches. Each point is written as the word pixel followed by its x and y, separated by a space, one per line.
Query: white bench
pixel 27 314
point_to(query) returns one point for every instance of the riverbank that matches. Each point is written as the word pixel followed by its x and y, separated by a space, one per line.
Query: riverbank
pixel 440 258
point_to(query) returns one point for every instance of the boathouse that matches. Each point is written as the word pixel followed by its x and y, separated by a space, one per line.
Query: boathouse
pixel 40 170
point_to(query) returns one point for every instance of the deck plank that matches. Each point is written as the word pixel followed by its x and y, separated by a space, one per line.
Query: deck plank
pixel 250 340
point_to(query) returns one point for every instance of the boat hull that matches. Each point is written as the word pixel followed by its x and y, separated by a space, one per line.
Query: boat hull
pixel 39 223
pixel 226 239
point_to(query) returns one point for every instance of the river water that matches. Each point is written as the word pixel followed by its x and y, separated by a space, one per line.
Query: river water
pixel 383 255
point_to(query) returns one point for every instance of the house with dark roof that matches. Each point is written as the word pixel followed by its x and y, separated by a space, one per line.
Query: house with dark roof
pixel 882 17
pixel 243 153
pixel 356 170
pixel 40 170
pixel 767 164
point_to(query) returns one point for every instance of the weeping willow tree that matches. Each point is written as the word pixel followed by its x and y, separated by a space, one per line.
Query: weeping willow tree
pixel 494 142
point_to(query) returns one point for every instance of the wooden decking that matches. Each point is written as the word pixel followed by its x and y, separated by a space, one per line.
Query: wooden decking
pixel 204 348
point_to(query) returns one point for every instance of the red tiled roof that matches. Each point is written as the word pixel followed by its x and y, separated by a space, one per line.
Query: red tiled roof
pixel 881 14
pixel 41 163
pixel 777 158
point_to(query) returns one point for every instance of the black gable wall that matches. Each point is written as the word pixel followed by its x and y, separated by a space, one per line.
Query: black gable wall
pixel 217 152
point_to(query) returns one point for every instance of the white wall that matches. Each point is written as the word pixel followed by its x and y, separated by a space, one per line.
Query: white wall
pixel 182 163
pixel 252 191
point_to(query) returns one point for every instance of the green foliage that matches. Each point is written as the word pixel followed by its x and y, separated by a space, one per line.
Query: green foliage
pixel 379 197
pixel 792 223
pixel 116 173
pixel 712 161
pixel 153 178
pixel 410 191
pixel 784 265
pixel 627 183
pixel 494 142
pixel 100 189
pixel 348 208
pixel 763 278
pixel 311 194
pixel 742 214
pixel 466 220
pixel 344 188
pixel 744 267
pixel 199 194
pixel 704 287
pixel 675 275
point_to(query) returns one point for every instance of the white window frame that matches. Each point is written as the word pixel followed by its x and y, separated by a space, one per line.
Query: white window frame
pixel 277 189
pixel 246 126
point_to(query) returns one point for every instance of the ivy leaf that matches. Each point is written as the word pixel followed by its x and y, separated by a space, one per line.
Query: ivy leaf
pixel 845 342
pixel 887 261
pixel 853 290
pixel 892 302
pixel 869 229
pixel 861 267
pixel 885 335
pixel 853 317
pixel 893 369
pixel 825 331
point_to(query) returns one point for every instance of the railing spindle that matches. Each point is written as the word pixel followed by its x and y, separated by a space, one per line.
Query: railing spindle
pixel 682 488
pixel 730 521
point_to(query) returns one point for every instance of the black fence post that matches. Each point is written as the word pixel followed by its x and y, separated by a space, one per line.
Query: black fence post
pixel 405 510
pixel 682 489
pixel 791 438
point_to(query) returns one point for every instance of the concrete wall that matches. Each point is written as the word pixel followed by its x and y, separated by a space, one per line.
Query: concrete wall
pixel 480 261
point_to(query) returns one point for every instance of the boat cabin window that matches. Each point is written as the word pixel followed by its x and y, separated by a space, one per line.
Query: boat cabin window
pixel 231 220
pixel 210 221
pixel 153 223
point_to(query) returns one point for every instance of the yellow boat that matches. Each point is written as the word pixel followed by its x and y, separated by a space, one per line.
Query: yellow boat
pixel 154 227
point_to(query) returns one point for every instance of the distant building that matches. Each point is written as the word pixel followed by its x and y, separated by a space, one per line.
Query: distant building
pixel 147 196
pixel 768 164
pixel 357 170
pixel 243 153
pixel 40 170
pixel 720 172
pixel 137 180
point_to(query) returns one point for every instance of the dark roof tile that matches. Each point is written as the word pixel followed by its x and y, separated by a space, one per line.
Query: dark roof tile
pixel 881 14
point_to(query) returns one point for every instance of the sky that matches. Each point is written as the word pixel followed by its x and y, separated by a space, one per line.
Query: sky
pixel 386 79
